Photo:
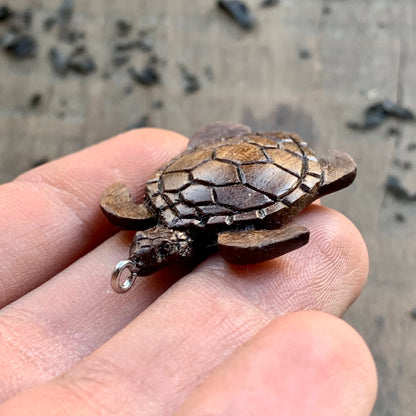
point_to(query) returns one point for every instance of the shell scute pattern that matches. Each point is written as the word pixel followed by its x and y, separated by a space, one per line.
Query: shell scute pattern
pixel 238 179
pixel 215 172
pixel 241 153
pixel 189 160
pixel 270 179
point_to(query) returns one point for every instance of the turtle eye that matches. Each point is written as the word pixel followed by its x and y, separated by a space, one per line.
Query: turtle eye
pixel 165 248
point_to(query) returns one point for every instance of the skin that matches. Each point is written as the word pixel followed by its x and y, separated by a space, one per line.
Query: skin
pixel 223 340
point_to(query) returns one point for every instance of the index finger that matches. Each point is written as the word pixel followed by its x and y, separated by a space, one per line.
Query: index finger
pixel 51 215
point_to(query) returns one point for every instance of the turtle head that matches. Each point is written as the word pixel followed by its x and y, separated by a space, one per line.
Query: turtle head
pixel 158 247
pixel 150 251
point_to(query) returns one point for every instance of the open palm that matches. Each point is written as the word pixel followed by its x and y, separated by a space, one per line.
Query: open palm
pixel 222 340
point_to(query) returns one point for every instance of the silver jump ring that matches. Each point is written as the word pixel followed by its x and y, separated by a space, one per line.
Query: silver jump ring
pixel 122 287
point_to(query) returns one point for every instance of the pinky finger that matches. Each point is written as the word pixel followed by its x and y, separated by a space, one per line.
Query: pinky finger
pixel 306 363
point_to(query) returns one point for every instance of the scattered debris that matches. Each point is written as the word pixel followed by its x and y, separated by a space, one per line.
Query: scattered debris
pixel 376 113
pixel 58 61
pixel 305 53
pixel 399 217
pixel 191 81
pixel 120 60
pixel 413 313
pixel 142 122
pixel 126 46
pixel 49 23
pixel 141 43
pixel 6 13
pixel 79 61
pixel 20 46
pixel 35 100
pixel 403 164
pixel 411 147
pixel 326 10
pixel 27 18
pixel 63 20
pixel 239 12
pixel 394 131
pixel 158 104
pixel 148 76
pixel 269 3
pixel 123 28
pixel 394 186
pixel 64 16
pixel 66 10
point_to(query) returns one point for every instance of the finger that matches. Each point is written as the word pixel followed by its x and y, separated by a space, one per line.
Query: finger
pixel 217 307
pixel 307 363
pixel 41 339
pixel 327 274
pixel 304 363
pixel 51 215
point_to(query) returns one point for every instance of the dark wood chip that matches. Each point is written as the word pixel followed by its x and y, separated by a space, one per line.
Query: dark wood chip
pixel 377 113
pixel 305 53
pixel 399 217
pixel 141 122
pixel 19 46
pixel 6 13
pixel 123 28
pixel 35 100
pixel 239 12
pixel 191 83
pixel 269 3
pixel 49 23
pixel 395 187
pixel 66 10
pixel 411 147
pixel 158 104
pixel 148 76
pixel 120 60
pixel 58 61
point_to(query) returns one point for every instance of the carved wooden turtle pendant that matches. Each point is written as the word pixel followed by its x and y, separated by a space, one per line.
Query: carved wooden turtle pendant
pixel 235 192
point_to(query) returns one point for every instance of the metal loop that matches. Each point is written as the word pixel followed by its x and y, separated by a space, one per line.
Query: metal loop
pixel 122 287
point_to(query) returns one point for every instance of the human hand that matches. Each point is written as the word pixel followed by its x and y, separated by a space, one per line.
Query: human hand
pixel 223 340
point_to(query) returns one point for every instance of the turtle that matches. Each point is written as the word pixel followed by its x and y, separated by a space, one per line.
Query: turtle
pixel 234 191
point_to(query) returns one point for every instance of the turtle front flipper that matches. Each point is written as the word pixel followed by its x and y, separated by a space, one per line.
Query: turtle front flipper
pixel 122 211
pixel 255 246
pixel 339 171
pixel 214 132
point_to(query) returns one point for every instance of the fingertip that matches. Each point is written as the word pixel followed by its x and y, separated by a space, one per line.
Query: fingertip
pixel 149 135
pixel 304 363
pixel 340 244
pixel 329 354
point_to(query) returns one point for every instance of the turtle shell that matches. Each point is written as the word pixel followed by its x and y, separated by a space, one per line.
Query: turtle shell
pixel 234 180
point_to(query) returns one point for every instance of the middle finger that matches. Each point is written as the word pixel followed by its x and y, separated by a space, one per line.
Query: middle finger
pixel 229 303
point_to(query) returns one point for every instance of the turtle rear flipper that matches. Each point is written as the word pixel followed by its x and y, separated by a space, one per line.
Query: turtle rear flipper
pixel 339 171
pixel 122 211
pixel 255 246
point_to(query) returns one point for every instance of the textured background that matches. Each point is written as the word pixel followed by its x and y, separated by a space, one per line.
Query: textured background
pixel 309 66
